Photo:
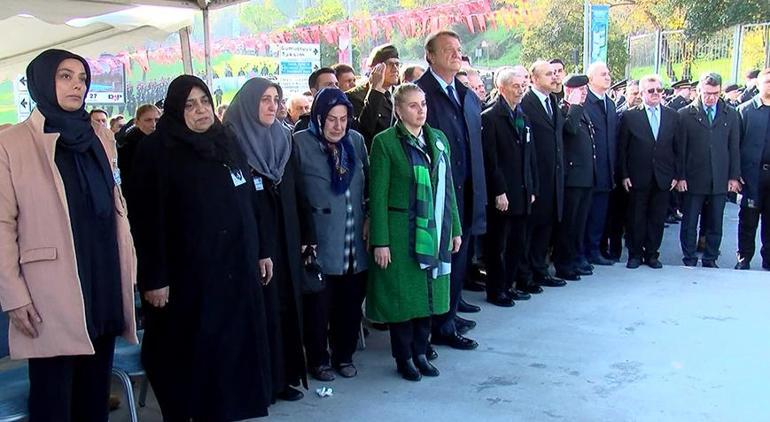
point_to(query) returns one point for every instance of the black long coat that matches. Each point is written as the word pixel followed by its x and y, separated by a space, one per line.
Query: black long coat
pixel 444 116
pixel 372 111
pixel 292 220
pixel 547 134
pixel 643 159
pixel 509 159
pixel 755 119
pixel 579 148
pixel 710 155
pixel 196 232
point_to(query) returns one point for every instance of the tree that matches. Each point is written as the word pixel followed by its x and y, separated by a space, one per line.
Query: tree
pixel 263 17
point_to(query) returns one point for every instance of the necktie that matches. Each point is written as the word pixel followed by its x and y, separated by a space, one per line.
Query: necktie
pixel 548 107
pixel 451 91
pixel 654 122
pixel 710 114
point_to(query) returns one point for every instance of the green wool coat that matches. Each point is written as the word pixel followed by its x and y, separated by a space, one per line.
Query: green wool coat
pixel 403 291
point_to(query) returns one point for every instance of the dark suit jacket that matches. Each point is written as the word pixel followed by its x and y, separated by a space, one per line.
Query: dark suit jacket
pixel 754 121
pixel 547 134
pixel 372 112
pixel 710 155
pixel 643 159
pixel 579 148
pixel 678 102
pixel 605 121
pixel 509 159
pixel 443 115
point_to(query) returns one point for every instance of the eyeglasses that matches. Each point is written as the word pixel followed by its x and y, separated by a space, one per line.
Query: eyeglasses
pixel 654 90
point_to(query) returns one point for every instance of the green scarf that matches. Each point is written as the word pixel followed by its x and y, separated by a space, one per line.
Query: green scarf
pixel 431 196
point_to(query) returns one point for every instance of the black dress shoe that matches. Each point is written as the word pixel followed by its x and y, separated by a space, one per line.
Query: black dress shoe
pixel 519 295
pixel 533 288
pixel 431 353
pixel 600 260
pixel 464 325
pixel 633 263
pixel 583 271
pixel 425 367
pixel 549 281
pixel 568 275
pixel 653 263
pixel 743 264
pixel 455 341
pixel 474 286
pixel 467 308
pixel 322 373
pixel 501 299
pixel 710 264
pixel 290 394
pixel 407 370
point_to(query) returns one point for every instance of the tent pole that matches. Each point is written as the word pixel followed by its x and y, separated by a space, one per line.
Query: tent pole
pixel 207 45
pixel 184 41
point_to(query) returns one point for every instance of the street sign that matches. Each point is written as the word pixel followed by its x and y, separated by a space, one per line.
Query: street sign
pixel 295 64
pixel 24 104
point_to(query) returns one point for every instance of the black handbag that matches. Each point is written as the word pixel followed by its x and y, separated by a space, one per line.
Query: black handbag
pixel 312 277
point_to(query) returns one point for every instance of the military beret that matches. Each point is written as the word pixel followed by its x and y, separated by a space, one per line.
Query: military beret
pixel 383 53
pixel 575 80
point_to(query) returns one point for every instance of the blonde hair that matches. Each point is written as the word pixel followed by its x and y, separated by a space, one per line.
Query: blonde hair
pixel 399 95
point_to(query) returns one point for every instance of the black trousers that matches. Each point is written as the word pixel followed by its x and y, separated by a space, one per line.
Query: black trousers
pixel 572 229
pixel 749 219
pixel 332 319
pixel 540 227
pixel 444 324
pixel 409 338
pixel 646 221
pixel 617 215
pixel 72 388
pixel 692 207
pixel 506 246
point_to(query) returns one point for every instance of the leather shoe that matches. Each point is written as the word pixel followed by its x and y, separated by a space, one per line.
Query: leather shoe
pixel 407 370
pixel 501 299
pixel 519 295
pixel 425 367
pixel 600 260
pixel 690 262
pixel 654 263
pixel 568 275
pixel 322 373
pixel 743 264
pixel 467 308
pixel 710 264
pixel 455 341
pixel 533 288
pixel 549 281
pixel 584 271
pixel 633 263
pixel 464 325
pixel 431 353
pixel 473 286
pixel 290 394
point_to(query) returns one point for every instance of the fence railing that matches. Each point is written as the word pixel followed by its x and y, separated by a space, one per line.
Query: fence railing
pixel 673 56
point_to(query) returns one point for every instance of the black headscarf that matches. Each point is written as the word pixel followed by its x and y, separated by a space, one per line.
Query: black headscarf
pixel 74 128
pixel 214 144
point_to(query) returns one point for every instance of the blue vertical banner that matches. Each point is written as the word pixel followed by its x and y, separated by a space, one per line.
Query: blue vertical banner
pixel 599 33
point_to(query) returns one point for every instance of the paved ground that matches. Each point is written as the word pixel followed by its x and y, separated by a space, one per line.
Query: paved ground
pixel 677 344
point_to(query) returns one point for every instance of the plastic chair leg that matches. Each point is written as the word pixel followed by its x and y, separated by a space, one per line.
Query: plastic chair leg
pixel 125 380
pixel 143 391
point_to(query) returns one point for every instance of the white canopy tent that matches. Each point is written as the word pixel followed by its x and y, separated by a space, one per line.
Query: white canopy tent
pixel 93 26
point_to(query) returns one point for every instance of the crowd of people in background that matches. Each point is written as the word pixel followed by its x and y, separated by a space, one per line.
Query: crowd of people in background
pixel 267 230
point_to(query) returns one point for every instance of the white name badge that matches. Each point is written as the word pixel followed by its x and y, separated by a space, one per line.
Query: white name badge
pixel 258 184
pixel 237 177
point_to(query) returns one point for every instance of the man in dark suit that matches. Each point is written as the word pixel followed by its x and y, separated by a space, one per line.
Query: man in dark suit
pixel 547 123
pixel 603 113
pixel 373 101
pixel 710 167
pixel 456 111
pixel 511 170
pixel 647 156
pixel 580 176
pixel 755 168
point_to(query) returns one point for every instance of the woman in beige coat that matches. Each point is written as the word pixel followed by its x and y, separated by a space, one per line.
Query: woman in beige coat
pixel 66 257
